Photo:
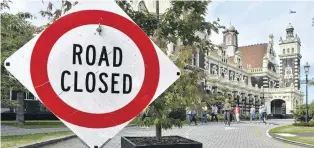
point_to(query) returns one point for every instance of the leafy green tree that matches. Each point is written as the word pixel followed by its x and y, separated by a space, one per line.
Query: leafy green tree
pixel 15 32
pixel 5 4
pixel 54 12
pixel 300 112
pixel 181 22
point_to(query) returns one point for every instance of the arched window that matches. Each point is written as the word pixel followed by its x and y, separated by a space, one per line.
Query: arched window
pixel 288 50
pixel 271 84
pixel 292 50
pixel 283 51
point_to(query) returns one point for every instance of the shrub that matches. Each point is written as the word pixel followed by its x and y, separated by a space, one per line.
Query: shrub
pixel 311 122
pixel 300 112
pixel 220 117
pixel 178 114
pixel 244 117
pixel 303 124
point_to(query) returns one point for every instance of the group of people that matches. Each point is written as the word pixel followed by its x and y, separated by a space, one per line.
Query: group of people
pixel 228 113
pixel 192 114
pixel 262 112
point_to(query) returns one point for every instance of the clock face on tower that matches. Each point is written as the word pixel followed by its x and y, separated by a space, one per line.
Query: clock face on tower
pixel 288 72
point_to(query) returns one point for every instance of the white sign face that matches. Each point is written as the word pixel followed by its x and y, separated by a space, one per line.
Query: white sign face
pixel 104 73
pixel 93 73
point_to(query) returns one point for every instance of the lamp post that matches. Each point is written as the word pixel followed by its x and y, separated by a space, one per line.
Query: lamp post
pixel 263 101
pixel 306 70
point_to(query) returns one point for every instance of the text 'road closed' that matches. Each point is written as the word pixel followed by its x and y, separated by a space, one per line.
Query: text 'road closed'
pixel 108 82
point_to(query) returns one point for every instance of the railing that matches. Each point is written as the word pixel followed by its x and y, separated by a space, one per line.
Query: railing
pixel 288 89
pixel 256 70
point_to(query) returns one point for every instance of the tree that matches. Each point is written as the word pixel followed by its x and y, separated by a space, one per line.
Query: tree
pixel 181 22
pixel 53 12
pixel 15 32
pixel 300 112
pixel 5 4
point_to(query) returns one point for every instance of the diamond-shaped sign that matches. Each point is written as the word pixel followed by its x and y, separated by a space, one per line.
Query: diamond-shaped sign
pixel 95 69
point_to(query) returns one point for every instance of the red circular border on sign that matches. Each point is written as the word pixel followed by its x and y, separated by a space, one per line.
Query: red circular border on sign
pixel 44 90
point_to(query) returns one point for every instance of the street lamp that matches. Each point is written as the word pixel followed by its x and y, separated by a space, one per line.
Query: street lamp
pixel 263 101
pixel 306 70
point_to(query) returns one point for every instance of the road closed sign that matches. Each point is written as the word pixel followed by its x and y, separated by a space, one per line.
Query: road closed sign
pixel 95 69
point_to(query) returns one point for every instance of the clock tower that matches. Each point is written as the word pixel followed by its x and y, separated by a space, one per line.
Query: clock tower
pixel 290 59
pixel 230 40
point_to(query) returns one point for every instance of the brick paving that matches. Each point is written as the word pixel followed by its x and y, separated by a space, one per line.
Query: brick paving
pixel 213 135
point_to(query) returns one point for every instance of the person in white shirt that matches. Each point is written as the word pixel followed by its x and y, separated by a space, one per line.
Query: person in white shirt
pixel 252 113
pixel 260 113
pixel 264 110
pixel 204 114
pixel 214 113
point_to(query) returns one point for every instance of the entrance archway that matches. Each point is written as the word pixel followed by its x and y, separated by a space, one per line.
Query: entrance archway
pixel 278 108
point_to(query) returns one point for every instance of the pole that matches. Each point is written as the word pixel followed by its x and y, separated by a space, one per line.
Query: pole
pixel 157 11
pixel 20 109
pixel 263 101
pixel 307 109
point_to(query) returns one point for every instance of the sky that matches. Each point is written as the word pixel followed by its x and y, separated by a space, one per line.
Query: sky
pixel 254 20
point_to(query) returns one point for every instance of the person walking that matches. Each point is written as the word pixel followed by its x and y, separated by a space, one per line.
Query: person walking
pixel 237 113
pixel 204 114
pixel 188 114
pixel 260 114
pixel 264 110
pixel 227 109
pixel 252 113
pixel 193 114
pixel 214 113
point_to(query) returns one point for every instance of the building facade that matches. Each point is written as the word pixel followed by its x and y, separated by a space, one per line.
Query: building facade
pixel 251 73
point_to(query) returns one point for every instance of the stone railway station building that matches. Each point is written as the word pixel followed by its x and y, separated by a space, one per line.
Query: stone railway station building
pixel 251 72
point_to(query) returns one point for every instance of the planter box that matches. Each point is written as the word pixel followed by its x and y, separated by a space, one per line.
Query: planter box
pixel 166 142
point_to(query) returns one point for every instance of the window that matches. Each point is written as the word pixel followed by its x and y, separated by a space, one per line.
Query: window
pixel 288 50
pixel 283 51
pixel 194 59
pixel 292 50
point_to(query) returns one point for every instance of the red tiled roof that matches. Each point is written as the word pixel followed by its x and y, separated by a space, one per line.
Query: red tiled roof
pixel 231 59
pixel 253 55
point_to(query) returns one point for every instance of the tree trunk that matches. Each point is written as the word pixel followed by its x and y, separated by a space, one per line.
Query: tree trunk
pixel 158 131
pixel 20 109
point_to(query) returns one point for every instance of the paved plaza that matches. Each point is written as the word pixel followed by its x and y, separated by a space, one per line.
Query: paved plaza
pixel 212 135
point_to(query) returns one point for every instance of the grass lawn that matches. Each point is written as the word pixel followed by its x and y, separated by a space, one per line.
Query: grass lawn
pixel 292 129
pixel 13 141
pixel 308 140
pixel 31 124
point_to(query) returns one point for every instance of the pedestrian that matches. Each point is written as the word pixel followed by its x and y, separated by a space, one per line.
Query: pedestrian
pixel 252 113
pixel 260 114
pixel 214 113
pixel 204 114
pixel 188 114
pixel 227 109
pixel 264 110
pixel 237 113
pixel 193 114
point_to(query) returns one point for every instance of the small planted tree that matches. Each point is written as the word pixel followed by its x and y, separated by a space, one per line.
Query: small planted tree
pixel 180 22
